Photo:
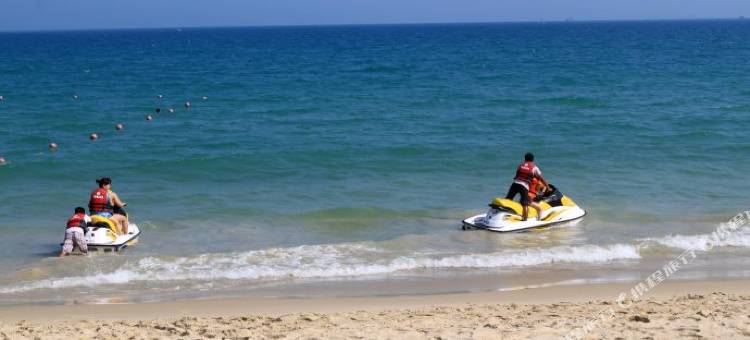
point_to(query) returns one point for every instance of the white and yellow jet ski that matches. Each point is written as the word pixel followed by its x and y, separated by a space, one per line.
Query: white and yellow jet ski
pixel 505 215
pixel 102 235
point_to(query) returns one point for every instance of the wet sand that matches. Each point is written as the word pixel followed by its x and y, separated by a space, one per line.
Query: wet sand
pixel 704 309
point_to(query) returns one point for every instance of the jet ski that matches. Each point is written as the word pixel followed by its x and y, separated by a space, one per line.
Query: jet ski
pixel 506 215
pixel 102 235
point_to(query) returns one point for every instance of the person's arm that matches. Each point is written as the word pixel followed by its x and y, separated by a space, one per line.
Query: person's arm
pixel 116 200
pixel 538 174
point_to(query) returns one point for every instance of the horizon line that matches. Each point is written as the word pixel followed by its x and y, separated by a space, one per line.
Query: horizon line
pixel 567 20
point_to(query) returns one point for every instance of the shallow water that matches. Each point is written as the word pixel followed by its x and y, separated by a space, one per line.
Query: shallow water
pixel 331 154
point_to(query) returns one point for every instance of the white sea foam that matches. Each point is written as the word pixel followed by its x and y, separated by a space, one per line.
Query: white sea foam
pixel 323 261
pixel 704 242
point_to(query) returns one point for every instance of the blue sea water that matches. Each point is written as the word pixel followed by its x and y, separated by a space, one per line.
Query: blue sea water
pixel 340 152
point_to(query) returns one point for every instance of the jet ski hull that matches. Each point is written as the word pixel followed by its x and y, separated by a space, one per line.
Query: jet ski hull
pixel 503 221
pixel 107 240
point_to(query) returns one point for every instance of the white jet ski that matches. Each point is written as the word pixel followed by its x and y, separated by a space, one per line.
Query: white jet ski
pixel 102 235
pixel 505 215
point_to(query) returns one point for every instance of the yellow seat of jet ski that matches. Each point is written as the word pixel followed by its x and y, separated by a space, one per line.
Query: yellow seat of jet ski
pixel 96 219
pixel 517 207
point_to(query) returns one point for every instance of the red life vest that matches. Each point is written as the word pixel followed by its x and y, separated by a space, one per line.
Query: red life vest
pixel 76 220
pixel 99 201
pixel 525 172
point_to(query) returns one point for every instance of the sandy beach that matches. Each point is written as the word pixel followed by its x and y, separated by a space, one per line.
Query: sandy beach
pixel 711 310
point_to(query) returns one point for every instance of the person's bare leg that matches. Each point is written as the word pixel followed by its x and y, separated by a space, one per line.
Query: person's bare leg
pixel 120 221
pixel 538 210
pixel 124 223
pixel 118 225
pixel 525 212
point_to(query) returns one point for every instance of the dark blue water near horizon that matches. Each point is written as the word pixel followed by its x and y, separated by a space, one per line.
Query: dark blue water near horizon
pixel 339 134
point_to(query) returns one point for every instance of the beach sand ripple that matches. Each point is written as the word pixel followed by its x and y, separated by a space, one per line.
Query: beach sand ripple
pixel 712 316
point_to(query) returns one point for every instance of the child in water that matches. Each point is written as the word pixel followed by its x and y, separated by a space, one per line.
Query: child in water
pixel 75 233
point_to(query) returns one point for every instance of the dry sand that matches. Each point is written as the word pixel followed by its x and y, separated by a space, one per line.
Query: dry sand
pixel 694 310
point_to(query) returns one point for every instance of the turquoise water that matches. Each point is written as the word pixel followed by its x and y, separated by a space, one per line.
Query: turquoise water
pixel 368 144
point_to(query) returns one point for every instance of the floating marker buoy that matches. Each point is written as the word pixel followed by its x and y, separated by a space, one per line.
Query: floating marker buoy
pixel 158 110
pixel 171 110
pixel 159 96
pixel 2 98
pixel 187 105
pixel 149 118
pixel 75 96
pixel 204 98
pixel 2 161
pixel 119 127
pixel 52 146
pixel 93 136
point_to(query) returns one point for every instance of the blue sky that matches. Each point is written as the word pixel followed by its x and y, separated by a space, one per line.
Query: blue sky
pixel 85 14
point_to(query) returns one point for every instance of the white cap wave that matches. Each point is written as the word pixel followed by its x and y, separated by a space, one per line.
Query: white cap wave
pixel 704 242
pixel 324 261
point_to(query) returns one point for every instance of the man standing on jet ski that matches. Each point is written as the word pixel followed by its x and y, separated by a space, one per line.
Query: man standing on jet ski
pixel 525 173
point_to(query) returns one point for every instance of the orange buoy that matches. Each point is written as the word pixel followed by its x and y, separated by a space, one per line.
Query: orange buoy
pixel 94 136
pixel 119 127
pixel 52 146
pixel 149 118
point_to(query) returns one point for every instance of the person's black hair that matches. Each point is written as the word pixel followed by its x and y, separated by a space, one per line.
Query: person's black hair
pixel 529 157
pixel 104 181
pixel 80 210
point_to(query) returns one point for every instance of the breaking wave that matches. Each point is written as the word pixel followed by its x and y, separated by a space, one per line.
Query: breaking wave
pixel 323 261
pixel 704 242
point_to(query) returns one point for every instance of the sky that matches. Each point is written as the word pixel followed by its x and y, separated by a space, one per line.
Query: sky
pixel 24 15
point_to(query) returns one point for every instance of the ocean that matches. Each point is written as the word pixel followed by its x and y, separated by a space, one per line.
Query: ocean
pixel 340 160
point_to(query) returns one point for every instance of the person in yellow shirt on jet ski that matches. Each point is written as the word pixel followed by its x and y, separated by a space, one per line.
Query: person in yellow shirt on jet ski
pixel 525 174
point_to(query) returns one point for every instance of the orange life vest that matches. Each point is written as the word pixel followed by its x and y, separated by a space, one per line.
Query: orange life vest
pixel 533 188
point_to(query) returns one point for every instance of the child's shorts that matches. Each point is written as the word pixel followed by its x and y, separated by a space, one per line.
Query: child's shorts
pixel 74 235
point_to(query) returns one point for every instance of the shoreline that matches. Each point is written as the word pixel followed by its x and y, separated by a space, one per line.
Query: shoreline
pixel 272 306
pixel 694 309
